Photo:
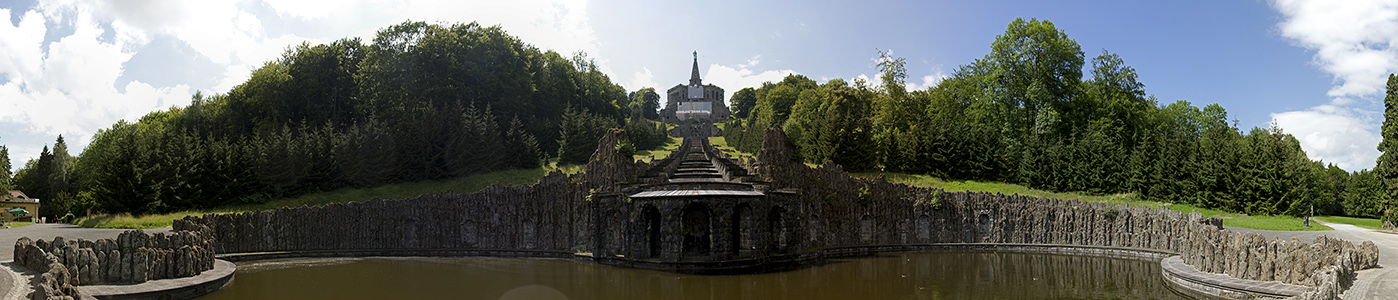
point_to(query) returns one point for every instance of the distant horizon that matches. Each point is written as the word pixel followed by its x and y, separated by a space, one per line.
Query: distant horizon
pixel 1315 67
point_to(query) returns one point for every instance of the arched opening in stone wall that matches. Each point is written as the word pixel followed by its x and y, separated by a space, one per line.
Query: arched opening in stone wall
pixel 696 229
pixel 924 228
pixel 529 237
pixel 739 240
pixel 813 228
pixel 777 228
pixel 984 222
pixel 615 238
pixel 866 228
pixel 651 220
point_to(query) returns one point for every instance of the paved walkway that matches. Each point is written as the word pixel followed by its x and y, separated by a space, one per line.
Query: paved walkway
pixel 1376 283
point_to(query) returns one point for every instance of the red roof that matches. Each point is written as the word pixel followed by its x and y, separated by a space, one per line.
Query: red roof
pixel 18 196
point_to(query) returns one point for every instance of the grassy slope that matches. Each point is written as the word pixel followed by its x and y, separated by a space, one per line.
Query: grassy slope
pixel 664 151
pixel 722 145
pixel 1229 219
pixel 1361 222
pixel 465 184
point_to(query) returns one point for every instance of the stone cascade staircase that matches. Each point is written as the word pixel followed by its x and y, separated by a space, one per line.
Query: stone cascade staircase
pixel 697 165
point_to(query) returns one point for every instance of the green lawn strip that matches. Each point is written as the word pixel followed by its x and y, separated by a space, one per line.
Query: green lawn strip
pixel 1361 222
pixel 19 224
pixel 664 151
pixel 464 184
pixel 1004 188
pixel 1287 223
pixel 722 144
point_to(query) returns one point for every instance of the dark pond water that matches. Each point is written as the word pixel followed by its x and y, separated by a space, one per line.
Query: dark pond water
pixel 918 275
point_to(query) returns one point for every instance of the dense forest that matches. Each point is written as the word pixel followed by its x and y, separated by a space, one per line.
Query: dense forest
pixel 1025 114
pixel 421 102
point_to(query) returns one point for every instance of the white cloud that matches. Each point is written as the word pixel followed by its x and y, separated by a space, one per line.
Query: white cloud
pixel 736 78
pixel 643 79
pixel 1357 43
pixel 22 56
pixel 932 79
pixel 69 88
pixel 1353 40
pixel 560 25
pixel 1333 135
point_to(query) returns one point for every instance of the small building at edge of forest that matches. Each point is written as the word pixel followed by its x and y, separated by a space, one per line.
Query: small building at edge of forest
pixel 17 199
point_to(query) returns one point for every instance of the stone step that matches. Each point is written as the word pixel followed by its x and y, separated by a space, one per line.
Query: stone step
pixel 697 176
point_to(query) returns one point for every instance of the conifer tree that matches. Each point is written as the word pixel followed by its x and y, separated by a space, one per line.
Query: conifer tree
pixel 1387 167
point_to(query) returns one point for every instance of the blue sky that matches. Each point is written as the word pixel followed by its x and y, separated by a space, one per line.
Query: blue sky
pixel 1316 67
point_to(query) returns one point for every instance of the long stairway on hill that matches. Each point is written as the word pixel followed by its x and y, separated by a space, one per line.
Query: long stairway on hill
pixel 697 168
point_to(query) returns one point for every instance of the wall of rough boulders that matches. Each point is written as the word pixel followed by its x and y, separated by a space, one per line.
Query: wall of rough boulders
pixel 133 257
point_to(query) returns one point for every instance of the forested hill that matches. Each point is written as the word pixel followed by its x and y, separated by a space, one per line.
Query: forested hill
pixel 1025 114
pixel 420 102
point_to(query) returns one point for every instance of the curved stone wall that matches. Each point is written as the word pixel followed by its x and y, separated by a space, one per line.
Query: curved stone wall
pixel 133 257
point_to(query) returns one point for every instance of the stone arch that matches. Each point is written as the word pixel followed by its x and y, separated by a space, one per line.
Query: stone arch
pixel 529 237
pixel 924 227
pixel 739 238
pixel 696 225
pixel 866 228
pixel 615 228
pixel 813 228
pixel 985 223
pixel 776 225
pixel 650 219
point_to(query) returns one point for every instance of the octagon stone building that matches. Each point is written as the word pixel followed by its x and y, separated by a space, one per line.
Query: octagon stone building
pixel 696 101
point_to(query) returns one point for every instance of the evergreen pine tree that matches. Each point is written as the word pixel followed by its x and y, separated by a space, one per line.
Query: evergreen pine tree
pixel 1387 167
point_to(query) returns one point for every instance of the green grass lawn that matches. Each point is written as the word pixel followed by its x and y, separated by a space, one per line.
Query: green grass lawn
pixel 664 151
pixel 1361 222
pixel 464 184
pixel 1287 223
pixel 19 224
pixel 1229 219
pixel 1004 188
pixel 722 145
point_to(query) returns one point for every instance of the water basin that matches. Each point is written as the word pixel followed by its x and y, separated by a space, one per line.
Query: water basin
pixel 912 275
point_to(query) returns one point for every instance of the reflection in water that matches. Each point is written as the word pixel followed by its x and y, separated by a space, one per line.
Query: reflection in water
pixel 919 275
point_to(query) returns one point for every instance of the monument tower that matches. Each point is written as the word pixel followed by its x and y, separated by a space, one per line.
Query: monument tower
pixel 696 101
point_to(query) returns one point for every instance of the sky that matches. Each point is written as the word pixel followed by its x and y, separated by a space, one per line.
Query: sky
pixel 1317 69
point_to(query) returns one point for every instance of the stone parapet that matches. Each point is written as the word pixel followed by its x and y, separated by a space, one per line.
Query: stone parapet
pixel 133 257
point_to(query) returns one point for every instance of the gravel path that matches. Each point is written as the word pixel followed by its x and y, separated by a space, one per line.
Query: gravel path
pixel 1376 283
